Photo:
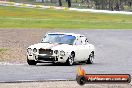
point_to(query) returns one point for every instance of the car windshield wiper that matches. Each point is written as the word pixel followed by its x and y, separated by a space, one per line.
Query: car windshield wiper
pixel 60 43
pixel 46 42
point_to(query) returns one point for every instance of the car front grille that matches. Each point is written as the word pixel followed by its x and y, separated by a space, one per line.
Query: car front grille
pixel 46 51
pixel 46 58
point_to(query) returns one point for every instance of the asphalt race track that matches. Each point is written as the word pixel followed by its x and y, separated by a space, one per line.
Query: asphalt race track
pixel 113 55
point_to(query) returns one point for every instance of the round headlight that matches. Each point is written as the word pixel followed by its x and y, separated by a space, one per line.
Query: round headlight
pixel 29 50
pixel 56 51
pixel 34 50
pixel 62 53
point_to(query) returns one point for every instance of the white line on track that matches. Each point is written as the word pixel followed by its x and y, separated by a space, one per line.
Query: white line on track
pixel 45 80
pixel 8 63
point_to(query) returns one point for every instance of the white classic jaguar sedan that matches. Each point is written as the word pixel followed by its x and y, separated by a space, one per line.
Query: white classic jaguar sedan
pixel 61 48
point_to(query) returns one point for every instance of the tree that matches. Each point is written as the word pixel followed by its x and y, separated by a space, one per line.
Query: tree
pixel 51 1
pixel 69 3
pixel 60 3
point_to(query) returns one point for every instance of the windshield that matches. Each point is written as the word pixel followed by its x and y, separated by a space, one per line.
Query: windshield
pixel 59 38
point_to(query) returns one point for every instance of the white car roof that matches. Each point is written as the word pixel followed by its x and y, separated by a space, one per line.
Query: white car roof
pixel 73 34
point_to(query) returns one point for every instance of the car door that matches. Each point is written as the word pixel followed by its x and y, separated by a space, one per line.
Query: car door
pixel 80 52
pixel 86 48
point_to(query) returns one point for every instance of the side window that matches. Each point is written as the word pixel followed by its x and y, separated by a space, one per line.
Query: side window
pixel 86 41
pixel 78 41
pixel 83 39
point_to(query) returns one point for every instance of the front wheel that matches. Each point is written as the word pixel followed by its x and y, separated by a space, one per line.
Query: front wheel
pixel 70 60
pixel 31 62
pixel 91 58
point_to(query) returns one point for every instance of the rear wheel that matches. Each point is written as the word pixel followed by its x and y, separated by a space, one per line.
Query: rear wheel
pixel 31 62
pixel 70 59
pixel 91 58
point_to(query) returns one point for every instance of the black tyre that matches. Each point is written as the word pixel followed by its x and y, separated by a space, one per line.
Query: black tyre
pixel 70 60
pixel 31 62
pixel 81 80
pixel 54 63
pixel 91 58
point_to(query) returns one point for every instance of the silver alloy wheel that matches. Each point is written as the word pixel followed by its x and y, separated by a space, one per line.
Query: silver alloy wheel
pixel 91 58
pixel 71 59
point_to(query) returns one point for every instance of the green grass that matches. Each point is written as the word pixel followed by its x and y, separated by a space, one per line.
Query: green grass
pixel 3 49
pixel 16 17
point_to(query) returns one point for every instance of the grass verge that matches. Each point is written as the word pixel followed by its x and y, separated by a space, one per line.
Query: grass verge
pixel 16 17
pixel 3 49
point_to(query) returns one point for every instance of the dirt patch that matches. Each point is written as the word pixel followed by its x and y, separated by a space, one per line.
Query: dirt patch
pixel 16 41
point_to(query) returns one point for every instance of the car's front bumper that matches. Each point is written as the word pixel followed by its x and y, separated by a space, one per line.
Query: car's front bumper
pixel 46 58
